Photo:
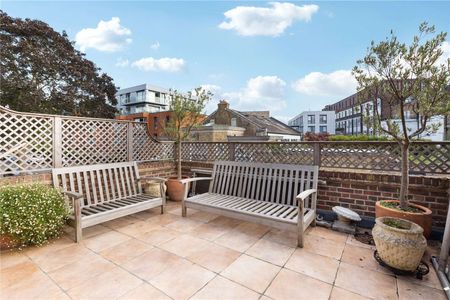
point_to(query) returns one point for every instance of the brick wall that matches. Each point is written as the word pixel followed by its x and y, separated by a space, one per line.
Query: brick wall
pixel 360 190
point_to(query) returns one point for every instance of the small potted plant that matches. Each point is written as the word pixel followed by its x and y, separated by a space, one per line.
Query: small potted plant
pixel 30 214
pixel 186 113
pixel 405 79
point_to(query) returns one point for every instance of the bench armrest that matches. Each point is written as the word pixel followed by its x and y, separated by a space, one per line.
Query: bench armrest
pixel 158 179
pixel 73 195
pixel 183 181
pixel 303 195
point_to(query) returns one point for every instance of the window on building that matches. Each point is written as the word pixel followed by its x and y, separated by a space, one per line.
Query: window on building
pixel 212 121
pixel 301 128
pixel 155 123
pixel 127 98
pixel 311 119
pixel 323 119
pixel 140 95
pixel 233 122
pixel 157 94
pixel 310 128
pixel 323 128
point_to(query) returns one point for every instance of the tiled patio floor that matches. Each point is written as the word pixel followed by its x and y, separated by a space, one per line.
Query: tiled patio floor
pixel 204 256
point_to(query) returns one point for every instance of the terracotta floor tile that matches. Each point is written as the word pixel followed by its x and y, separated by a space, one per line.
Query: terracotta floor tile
pixel 408 290
pixel 158 236
pixel 252 229
pixel 12 258
pixel 214 257
pixel 251 272
pixel 108 285
pixel 176 210
pixel 314 265
pixel 226 222
pixel 184 245
pixel 120 222
pixel 166 219
pixel 125 251
pixel 51 246
pixel 340 294
pixel 94 230
pixel 209 231
pixel 105 240
pixel 202 216
pixel 287 238
pixel 269 251
pixel 76 273
pixel 323 246
pixel 35 286
pixel 137 228
pixel 291 285
pixel 57 259
pixel 236 240
pixel 221 288
pixel 366 282
pixel 351 240
pixel 152 263
pixel 184 225
pixel 17 273
pixel 148 214
pixel 362 257
pixel 328 234
pixel 145 292
pixel 430 280
pixel 183 280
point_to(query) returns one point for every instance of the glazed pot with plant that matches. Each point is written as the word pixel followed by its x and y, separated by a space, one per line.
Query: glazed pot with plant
pixel 186 114
pixel 399 242
pixel 395 81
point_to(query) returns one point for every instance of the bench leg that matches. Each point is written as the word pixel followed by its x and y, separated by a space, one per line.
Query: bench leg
pixel 162 209
pixel 183 209
pixel 300 238
pixel 77 210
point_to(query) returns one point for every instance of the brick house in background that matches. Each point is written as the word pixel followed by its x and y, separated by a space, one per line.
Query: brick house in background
pixel 226 124
pixel 155 121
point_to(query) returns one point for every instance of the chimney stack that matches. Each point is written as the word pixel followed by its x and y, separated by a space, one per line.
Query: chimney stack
pixel 223 105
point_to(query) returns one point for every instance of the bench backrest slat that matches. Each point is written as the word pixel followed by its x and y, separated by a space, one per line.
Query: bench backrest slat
pixel 100 183
pixel 276 183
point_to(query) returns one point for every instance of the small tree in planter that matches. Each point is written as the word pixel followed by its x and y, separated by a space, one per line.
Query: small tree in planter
pixel 187 113
pixel 406 78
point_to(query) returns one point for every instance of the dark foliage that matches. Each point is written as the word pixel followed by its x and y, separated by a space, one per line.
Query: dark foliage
pixel 42 72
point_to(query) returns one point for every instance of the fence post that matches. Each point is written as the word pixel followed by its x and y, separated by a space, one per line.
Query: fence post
pixel 57 142
pixel 231 151
pixel 317 154
pixel 130 141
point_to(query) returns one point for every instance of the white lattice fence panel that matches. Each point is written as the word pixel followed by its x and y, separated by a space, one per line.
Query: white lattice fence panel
pixel 430 157
pixel 371 156
pixel 26 142
pixel 87 142
pixel 285 153
pixel 146 149
pixel 200 151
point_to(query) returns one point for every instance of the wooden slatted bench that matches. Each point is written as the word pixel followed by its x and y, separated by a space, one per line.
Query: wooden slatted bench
pixel 281 196
pixel 101 193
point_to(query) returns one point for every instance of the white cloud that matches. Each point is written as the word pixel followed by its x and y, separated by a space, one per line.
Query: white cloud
pixel 268 21
pixel 339 83
pixel 166 64
pixel 122 62
pixel 108 36
pixel 155 46
pixel 445 47
pixel 260 93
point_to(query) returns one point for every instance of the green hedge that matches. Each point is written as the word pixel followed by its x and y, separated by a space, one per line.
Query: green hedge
pixel 361 137
pixel 32 214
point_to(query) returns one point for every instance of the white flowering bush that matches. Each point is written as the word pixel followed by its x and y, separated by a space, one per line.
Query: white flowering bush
pixel 32 214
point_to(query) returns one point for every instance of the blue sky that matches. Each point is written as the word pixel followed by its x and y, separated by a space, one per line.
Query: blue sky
pixel 285 57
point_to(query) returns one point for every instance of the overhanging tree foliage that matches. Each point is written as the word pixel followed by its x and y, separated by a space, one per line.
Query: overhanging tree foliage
pixel 406 78
pixel 42 72
pixel 187 113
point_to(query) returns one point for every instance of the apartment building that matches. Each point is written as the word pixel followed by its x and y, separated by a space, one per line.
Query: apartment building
pixel 314 121
pixel 144 98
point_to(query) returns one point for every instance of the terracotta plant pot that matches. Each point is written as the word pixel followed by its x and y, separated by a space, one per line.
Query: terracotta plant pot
pixel 401 246
pixel 422 218
pixel 175 189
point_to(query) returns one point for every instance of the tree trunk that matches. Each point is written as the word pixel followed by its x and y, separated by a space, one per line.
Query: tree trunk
pixel 179 160
pixel 405 176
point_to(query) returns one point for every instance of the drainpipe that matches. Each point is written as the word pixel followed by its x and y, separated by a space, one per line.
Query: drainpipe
pixel 441 264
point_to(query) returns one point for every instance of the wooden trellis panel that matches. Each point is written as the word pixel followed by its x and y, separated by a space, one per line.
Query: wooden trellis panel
pixel 26 142
pixel 146 149
pixel 87 142
pixel 430 157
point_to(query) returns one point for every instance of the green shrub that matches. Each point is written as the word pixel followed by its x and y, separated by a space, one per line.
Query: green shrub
pixel 361 137
pixel 32 214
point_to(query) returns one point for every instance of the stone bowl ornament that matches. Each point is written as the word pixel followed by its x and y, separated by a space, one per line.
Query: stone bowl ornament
pixel 346 215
